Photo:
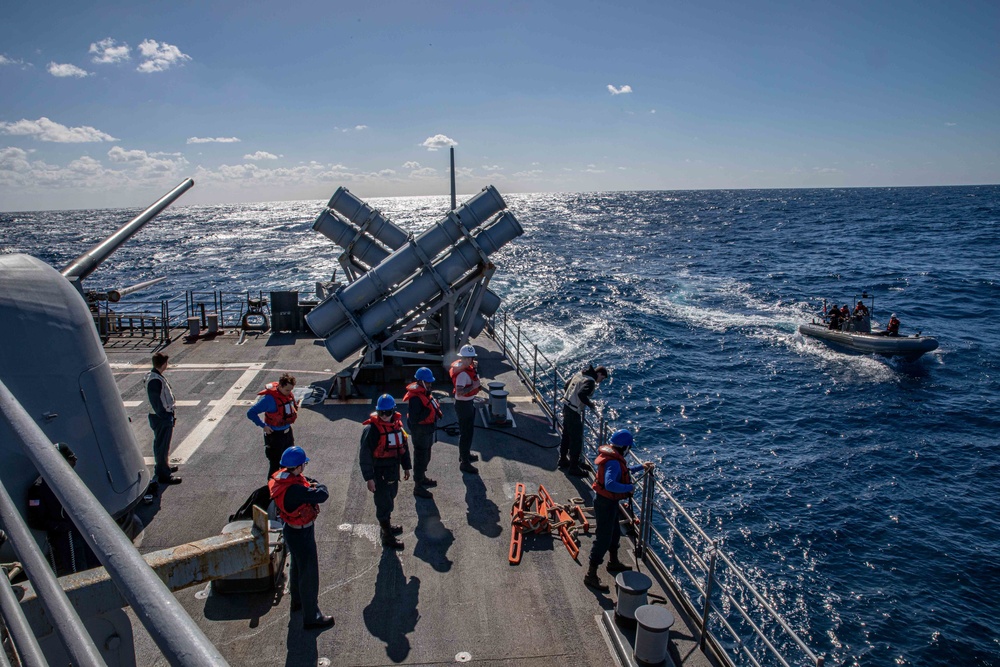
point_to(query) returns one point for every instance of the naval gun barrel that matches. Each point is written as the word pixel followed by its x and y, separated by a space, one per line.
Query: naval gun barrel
pixel 85 264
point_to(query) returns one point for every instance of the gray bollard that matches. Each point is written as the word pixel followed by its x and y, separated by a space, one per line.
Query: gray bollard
pixel 652 635
pixel 631 588
pixel 213 322
pixel 498 406
pixel 194 326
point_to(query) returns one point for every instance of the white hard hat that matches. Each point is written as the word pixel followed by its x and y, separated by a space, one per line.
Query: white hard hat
pixel 893 315
pixel 467 351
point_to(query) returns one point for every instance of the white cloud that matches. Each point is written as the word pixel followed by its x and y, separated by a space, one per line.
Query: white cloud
pixel 619 91
pixel 44 129
pixel 159 57
pixel 109 51
pixel 360 127
pixel 652 111
pixel 130 169
pixel 411 165
pixel 64 70
pixel 426 172
pixel 438 141
pixel 4 60
pixel 531 173
pixel 162 154
pixel 213 140
pixel 260 155
pixel 951 124
pixel 592 169
pixel 494 167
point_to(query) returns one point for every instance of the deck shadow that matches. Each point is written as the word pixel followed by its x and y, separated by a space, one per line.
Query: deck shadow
pixel 392 614
pixel 482 513
pixel 433 538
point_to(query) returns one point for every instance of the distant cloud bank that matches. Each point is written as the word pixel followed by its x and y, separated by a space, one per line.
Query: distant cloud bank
pixel 260 155
pixel 44 129
pixel 213 140
pixel 619 91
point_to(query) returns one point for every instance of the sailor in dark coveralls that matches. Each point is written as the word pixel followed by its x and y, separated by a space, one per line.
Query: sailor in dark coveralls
pixel 161 418
pixel 297 500
pixel 383 450
pixel 579 389
pixel 68 552
pixel 613 484
pixel 424 412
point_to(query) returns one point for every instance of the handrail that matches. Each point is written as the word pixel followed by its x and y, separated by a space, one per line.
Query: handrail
pixel 175 633
pixel 531 364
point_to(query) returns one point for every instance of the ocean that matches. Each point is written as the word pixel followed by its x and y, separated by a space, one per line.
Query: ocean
pixel 860 494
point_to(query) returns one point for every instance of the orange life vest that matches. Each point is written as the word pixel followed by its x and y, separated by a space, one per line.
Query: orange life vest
pixel 604 454
pixel 417 390
pixel 460 366
pixel 278 486
pixel 285 412
pixel 391 436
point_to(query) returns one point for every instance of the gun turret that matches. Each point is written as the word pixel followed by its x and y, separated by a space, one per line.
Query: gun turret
pixel 85 264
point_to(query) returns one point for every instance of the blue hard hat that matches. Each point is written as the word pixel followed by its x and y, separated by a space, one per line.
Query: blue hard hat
pixel 293 457
pixel 424 374
pixel 385 402
pixel 621 438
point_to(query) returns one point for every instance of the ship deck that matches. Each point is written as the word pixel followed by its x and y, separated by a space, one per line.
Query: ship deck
pixel 448 596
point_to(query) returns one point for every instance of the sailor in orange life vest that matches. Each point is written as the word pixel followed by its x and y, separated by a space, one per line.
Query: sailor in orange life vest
pixel 383 449
pixel 422 417
pixel 280 411
pixel 613 484
pixel 297 500
pixel 467 386
pixel 891 329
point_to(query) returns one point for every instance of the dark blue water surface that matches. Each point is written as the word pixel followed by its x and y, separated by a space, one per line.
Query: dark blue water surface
pixel 862 495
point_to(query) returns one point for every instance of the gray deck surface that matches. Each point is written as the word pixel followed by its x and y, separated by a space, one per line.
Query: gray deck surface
pixel 451 590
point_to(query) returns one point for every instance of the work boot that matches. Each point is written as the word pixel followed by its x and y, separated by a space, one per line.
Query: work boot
pixel 465 466
pixel 473 458
pixel 592 580
pixel 615 566
pixel 428 482
pixel 421 492
pixel 388 539
pixel 563 462
pixel 319 623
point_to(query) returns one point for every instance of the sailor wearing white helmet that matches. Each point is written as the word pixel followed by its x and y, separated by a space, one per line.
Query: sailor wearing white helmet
pixel 465 379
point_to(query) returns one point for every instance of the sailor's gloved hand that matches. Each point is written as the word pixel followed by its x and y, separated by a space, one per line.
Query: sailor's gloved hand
pixel 371 485
pixel 648 465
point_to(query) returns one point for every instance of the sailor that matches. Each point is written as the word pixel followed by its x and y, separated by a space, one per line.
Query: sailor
pixel 68 552
pixel 613 484
pixel 577 394
pixel 465 379
pixel 161 418
pixel 280 409
pixel 860 309
pixel 383 450
pixel 834 318
pixel 297 499
pixel 892 328
pixel 424 412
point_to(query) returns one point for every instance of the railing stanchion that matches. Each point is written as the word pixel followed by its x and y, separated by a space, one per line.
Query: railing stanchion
pixel 534 371
pixel 517 352
pixel 555 392
pixel 708 597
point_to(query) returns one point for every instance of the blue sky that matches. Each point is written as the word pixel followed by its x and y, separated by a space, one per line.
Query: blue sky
pixel 109 104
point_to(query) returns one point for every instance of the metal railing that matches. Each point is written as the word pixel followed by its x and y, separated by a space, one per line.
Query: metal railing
pixel 173 631
pixel 733 614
